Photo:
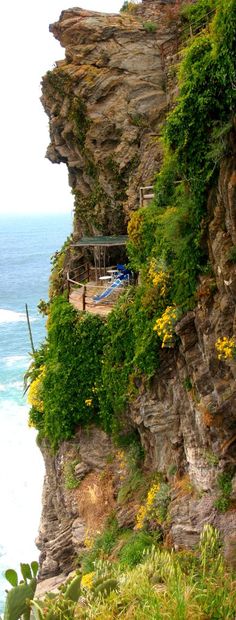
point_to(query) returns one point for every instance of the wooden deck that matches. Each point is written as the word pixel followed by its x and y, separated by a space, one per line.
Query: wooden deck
pixel 82 299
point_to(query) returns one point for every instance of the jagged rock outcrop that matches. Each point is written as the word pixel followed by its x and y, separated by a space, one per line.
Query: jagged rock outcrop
pixel 69 513
pixel 106 103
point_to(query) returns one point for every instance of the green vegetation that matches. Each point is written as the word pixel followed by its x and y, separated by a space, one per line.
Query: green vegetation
pixel 150 26
pixel 71 481
pixel 18 600
pixel 195 139
pixel 131 350
pixel 59 607
pixel 147 581
pixel 187 383
pixel 92 369
pixel 68 391
pixel 129 6
pixel 225 488
pixel 197 14
pixel 57 277
pixel 101 547
pixel 82 123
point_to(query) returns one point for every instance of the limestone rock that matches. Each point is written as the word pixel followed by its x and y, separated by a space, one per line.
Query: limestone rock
pixel 106 103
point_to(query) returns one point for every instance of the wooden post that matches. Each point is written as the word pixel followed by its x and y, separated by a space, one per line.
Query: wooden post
pixel 68 285
pixel 99 260
pixel 104 261
pixel 95 263
pixel 29 328
pixel 83 298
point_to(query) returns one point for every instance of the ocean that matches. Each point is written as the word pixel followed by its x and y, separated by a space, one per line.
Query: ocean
pixel 26 244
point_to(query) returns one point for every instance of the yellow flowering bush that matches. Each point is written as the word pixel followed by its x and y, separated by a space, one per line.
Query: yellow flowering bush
pixel 134 227
pixel 156 505
pixel 145 510
pixel 35 398
pixel 226 348
pixel 87 580
pixel 159 276
pixel 164 326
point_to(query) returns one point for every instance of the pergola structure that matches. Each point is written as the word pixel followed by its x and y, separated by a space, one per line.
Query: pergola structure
pixel 100 245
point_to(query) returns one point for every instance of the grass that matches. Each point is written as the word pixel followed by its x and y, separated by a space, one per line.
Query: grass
pixel 159 585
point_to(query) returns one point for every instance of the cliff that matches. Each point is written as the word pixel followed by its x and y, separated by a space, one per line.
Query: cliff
pixel 107 102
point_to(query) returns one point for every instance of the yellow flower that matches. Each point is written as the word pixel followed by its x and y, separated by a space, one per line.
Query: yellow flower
pixel 164 326
pixel 87 580
pixel 226 348
pixel 146 509
pixel 35 398
pixel 159 276
pixel 88 402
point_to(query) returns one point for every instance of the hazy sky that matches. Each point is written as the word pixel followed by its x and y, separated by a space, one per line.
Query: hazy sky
pixel 29 182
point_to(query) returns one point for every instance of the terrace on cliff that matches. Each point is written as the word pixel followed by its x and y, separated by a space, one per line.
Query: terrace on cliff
pixel 96 288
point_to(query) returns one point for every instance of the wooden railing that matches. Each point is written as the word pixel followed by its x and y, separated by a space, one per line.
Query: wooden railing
pixel 82 272
pixel 175 44
pixel 146 194
pixel 88 290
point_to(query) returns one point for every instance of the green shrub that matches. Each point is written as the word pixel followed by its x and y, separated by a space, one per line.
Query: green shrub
pixel 224 482
pixel 132 551
pixel 197 14
pixel 131 350
pixel 150 26
pixel 195 139
pixel 102 546
pixel 71 481
pixel 72 360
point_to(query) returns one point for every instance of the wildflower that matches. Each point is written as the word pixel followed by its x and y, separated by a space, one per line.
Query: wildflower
pixel 159 276
pixel 87 580
pixel 35 397
pixel 164 326
pixel 146 509
pixel 88 402
pixel 226 348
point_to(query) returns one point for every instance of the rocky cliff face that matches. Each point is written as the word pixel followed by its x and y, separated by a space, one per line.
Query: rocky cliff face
pixel 188 418
pixel 106 104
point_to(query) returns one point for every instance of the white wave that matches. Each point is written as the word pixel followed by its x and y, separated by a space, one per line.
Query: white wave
pixel 15 385
pixel 15 360
pixel 10 316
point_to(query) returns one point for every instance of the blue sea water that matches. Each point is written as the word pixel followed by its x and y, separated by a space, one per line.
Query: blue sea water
pixel 26 244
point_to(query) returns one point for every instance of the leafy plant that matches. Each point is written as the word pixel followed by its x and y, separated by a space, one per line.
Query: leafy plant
pixel 225 487
pixel 18 600
pixel 72 360
pixel 132 551
pixel 71 481
pixel 150 26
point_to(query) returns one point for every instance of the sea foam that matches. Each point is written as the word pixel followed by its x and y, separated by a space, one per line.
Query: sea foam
pixel 10 316
pixel 20 361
